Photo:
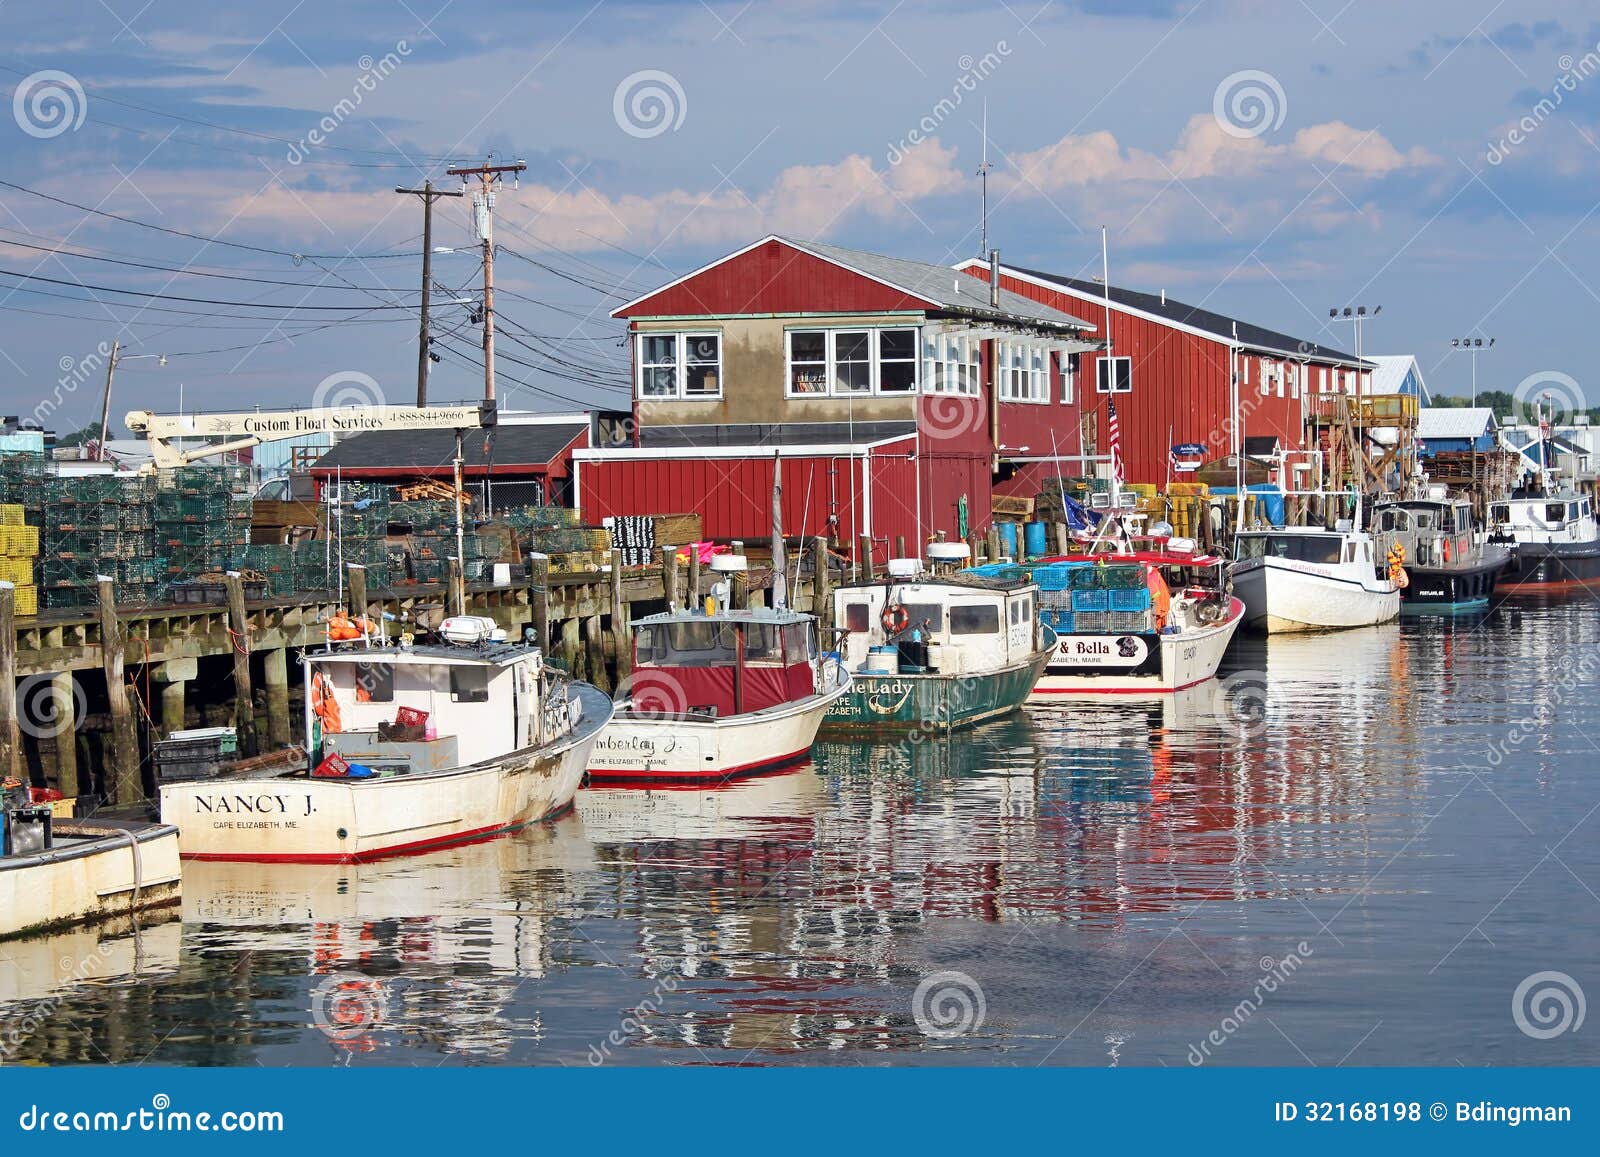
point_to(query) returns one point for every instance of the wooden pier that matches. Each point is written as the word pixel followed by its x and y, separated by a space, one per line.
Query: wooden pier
pixel 152 665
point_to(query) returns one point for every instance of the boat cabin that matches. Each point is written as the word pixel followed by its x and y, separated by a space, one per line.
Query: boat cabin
pixel 1307 544
pixel 1433 531
pixel 946 626
pixel 427 708
pixel 1557 517
pixel 686 663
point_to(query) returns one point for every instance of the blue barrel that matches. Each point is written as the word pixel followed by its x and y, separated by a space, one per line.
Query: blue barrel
pixel 1008 538
pixel 1033 536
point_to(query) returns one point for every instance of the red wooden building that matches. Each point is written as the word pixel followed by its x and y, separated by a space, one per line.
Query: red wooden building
pixel 891 391
pixel 1172 370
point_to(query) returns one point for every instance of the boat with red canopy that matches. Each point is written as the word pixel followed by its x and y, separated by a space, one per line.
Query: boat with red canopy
pixel 718 695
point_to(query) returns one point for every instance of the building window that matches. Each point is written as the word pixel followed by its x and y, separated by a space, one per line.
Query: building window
pixel 680 365
pixel 953 364
pixel 1322 379
pixel 808 361
pixel 1070 364
pixel 897 361
pixel 1113 376
pixel 1266 377
pixel 846 362
pixel 1021 372
pixel 852 361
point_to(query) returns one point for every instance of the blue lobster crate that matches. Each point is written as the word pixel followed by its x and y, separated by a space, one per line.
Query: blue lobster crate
pixel 1091 600
pixel 1059 621
pixel 1137 599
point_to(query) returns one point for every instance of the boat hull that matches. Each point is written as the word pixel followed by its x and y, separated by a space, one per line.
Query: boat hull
pixel 1451 590
pixel 116 868
pixel 938 702
pixel 673 748
pixel 1145 664
pixel 1279 597
pixel 1552 566
pixel 304 820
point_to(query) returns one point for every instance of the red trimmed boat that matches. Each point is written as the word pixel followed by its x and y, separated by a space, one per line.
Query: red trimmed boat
pixel 716 696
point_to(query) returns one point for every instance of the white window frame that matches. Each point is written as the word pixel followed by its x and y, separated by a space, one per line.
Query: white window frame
pixel 1266 379
pixel 680 348
pixel 1071 367
pixel 954 365
pixel 1322 380
pixel 1106 383
pixel 874 361
pixel 1022 373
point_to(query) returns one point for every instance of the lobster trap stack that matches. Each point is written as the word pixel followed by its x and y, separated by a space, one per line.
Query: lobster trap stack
pixel 19 553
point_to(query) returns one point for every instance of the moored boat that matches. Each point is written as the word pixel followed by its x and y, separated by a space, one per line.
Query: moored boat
pixel 939 651
pixel 59 872
pixel 717 695
pixel 1554 540
pixel 1448 568
pixel 1306 578
pixel 413 747
pixel 1145 622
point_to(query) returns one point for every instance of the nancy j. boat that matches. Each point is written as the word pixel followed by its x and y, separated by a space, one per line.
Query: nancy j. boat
pixel 58 872
pixel 1554 539
pixel 943 650
pixel 1449 569
pixel 1132 623
pixel 413 746
pixel 718 695
pixel 1306 578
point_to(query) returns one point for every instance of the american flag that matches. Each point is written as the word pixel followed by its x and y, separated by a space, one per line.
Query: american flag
pixel 1114 440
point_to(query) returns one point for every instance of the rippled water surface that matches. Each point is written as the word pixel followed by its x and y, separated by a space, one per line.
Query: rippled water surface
pixel 1352 849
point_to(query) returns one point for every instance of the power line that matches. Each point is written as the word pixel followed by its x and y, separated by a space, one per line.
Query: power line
pixel 200 236
pixel 187 272
pixel 193 300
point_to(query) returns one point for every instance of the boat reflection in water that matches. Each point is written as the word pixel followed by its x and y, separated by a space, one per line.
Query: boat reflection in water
pixel 116 964
pixel 425 952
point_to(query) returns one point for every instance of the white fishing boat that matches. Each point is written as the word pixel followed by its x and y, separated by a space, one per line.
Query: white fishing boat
pixel 1134 623
pixel 1554 539
pixel 58 872
pixel 718 695
pixel 413 746
pixel 1306 578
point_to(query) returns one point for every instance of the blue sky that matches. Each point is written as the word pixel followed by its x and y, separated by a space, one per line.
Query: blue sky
pixel 1266 159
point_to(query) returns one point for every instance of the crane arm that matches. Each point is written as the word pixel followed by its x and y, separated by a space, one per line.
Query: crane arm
pixel 243 430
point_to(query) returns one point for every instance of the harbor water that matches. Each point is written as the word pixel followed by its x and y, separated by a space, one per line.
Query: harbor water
pixel 1376 848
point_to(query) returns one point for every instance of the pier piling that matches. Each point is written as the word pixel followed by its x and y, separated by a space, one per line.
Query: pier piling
pixel 123 770
pixel 821 582
pixel 275 671
pixel 244 701
pixel 10 737
pixel 669 575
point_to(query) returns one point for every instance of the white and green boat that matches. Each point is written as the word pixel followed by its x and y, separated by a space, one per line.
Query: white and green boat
pixel 936 651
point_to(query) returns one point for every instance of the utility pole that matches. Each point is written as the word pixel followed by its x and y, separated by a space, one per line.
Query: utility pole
pixel 105 401
pixel 1474 346
pixel 429 195
pixel 983 175
pixel 483 214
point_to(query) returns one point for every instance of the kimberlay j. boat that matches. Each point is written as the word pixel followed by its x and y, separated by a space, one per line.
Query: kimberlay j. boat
pixel 1139 622
pixel 942 651
pixel 718 695
pixel 413 746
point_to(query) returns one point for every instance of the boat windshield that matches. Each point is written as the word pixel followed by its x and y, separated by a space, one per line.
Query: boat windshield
pixel 1313 548
pixel 713 642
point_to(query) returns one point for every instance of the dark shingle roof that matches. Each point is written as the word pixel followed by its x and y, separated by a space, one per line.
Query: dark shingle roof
pixel 513 445
pixel 1254 336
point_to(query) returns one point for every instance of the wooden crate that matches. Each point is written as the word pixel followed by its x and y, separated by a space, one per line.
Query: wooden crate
pixel 1011 507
